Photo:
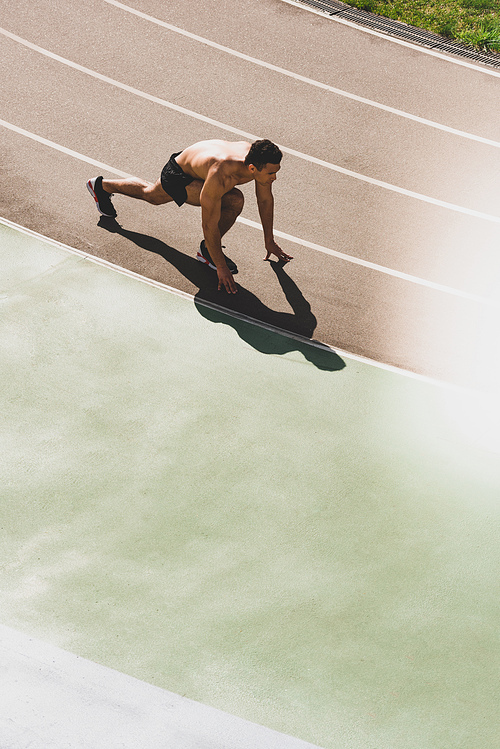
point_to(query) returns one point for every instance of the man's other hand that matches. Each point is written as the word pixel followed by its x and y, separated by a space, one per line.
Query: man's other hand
pixel 273 249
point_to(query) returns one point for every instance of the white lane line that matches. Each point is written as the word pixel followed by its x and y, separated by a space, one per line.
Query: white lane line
pixel 393 39
pixel 63 149
pixel 255 225
pixel 240 316
pixel 251 136
pixel 376 267
pixel 304 79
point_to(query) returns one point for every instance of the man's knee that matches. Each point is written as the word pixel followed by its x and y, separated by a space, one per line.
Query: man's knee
pixel 156 195
pixel 233 200
pixel 154 199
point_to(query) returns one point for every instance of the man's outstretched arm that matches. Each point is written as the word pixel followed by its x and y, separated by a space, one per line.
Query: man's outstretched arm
pixel 265 204
pixel 210 199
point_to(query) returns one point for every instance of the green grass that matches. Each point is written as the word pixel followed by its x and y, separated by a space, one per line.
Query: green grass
pixel 472 22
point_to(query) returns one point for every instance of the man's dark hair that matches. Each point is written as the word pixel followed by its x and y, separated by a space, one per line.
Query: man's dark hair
pixel 263 152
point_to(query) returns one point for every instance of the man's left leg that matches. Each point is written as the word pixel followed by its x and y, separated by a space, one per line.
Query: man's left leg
pixel 231 207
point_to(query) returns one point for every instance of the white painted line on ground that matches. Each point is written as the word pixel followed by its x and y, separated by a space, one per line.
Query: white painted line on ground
pixel 238 315
pixel 393 39
pixel 125 87
pixel 284 235
pixel 281 234
pixel 53 699
pixel 251 137
pixel 304 79
pixel 63 149
pixel 374 266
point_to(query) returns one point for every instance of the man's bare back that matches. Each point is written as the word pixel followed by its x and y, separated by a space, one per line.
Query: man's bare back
pixel 206 174
pixel 198 159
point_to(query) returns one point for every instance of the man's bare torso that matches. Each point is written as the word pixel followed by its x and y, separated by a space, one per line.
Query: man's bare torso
pixel 198 159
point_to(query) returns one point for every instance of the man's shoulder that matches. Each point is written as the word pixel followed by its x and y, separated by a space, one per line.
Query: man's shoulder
pixel 225 169
pixel 225 162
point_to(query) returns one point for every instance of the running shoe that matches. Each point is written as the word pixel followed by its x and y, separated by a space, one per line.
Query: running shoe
pixel 101 197
pixel 204 257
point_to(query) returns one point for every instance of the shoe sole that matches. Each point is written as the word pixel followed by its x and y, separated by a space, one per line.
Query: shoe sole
pixel 203 259
pixel 90 188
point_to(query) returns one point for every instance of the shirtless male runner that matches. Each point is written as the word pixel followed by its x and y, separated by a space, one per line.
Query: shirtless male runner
pixel 206 174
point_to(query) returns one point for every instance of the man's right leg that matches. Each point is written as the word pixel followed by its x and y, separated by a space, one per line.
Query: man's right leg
pixel 231 207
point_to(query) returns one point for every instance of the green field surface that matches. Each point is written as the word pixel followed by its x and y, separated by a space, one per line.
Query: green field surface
pixel 308 543
pixel 475 23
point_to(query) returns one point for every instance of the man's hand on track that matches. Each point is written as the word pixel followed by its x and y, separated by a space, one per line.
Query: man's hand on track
pixel 273 249
pixel 226 280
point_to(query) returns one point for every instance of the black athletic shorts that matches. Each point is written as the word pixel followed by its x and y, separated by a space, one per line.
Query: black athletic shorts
pixel 174 180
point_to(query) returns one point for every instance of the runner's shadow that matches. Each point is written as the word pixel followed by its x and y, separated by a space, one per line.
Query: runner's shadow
pixel 301 321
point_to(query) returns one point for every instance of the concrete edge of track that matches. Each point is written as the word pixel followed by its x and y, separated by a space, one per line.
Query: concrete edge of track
pixel 230 313
pixel 55 698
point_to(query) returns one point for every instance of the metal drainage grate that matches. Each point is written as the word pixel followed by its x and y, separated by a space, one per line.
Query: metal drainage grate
pixel 401 30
